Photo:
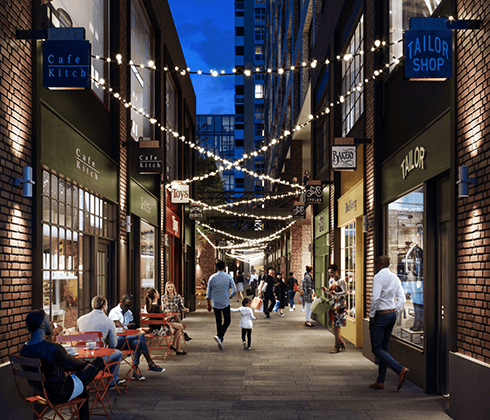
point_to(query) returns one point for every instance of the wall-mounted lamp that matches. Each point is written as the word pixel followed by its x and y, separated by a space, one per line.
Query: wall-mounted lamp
pixel 127 223
pixel 464 182
pixel 365 224
pixel 26 181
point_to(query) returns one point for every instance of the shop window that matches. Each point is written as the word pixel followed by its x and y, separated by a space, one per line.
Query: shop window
pixel 399 14
pixel 95 20
pixel 259 91
pixel 147 260
pixel 69 214
pixel 352 80
pixel 142 95
pixel 405 242
pixel 259 33
pixel 259 53
pixel 348 265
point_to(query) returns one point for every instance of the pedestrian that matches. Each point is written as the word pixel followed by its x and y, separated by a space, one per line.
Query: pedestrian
pixel 218 294
pixel 247 279
pixel 254 282
pixel 65 377
pixel 266 292
pixel 308 294
pixel 337 314
pixel 382 319
pixel 280 290
pixel 292 285
pixel 240 281
pixel 246 324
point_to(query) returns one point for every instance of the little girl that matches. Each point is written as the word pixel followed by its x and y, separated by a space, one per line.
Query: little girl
pixel 246 324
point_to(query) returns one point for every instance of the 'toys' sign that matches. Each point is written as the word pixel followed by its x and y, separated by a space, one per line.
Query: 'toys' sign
pixel 428 54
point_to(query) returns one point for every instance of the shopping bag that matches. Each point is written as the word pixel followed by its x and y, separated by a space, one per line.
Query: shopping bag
pixel 315 305
pixel 257 303
pixel 322 307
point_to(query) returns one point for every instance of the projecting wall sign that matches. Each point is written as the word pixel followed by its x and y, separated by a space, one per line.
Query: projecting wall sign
pixel 344 157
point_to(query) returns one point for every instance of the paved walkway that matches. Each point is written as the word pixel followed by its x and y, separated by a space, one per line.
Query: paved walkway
pixel 288 374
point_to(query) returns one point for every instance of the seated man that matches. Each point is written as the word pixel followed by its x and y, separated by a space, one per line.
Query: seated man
pixel 97 320
pixel 56 362
pixel 123 318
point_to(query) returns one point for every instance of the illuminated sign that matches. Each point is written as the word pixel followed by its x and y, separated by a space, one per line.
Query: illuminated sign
pixel 150 160
pixel 195 212
pixel 299 211
pixel 66 64
pixel 428 50
pixel 344 158
pixel 179 192
pixel 314 191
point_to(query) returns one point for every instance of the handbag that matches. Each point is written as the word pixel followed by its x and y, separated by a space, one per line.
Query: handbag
pixel 295 288
pixel 264 287
pixel 257 303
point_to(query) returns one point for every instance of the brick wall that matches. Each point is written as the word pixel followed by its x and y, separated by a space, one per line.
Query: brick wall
pixel 16 149
pixel 473 213
pixel 207 261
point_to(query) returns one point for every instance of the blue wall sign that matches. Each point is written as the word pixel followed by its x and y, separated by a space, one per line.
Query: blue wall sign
pixel 66 64
pixel 428 49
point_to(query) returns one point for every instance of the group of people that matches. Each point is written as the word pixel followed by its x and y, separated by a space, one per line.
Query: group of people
pixel 67 377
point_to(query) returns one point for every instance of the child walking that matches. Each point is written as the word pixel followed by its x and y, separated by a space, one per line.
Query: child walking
pixel 247 315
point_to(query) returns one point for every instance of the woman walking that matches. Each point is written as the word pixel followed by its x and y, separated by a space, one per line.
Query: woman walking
pixel 338 290
pixel 308 294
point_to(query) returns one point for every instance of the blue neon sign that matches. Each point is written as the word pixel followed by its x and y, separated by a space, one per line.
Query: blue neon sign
pixel 66 64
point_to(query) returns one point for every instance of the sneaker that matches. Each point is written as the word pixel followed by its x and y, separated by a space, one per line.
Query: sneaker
pixel 220 343
pixel 249 348
pixel 137 377
pixel 281 314
pixel 244 346
pixel 119 383
pixel 291 310
pixel 156 368
pixel 303 310
pixel 377 385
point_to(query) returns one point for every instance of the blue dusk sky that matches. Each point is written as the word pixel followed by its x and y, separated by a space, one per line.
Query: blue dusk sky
pixel 206 30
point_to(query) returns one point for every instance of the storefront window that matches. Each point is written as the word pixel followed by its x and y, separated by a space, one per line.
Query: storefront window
pixel 142 95
pixel 147 243
pixel 63 245
pixel 95 20
pixel 348 265
pixel 405 249
pixel 400 13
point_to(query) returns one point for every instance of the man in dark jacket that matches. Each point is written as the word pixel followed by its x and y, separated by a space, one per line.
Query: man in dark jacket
pixel 56 363
pixel 268 294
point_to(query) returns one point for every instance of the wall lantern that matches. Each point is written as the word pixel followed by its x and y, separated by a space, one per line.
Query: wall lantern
pixel 127 223
pixel 26 181
pixel 464 182
pixel 365 224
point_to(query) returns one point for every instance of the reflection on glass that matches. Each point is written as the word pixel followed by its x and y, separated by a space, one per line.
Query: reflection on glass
pixel 348 265
pixel 147 244
pixel 405 249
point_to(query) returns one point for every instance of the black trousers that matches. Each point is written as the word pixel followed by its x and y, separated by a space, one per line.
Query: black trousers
pixel 223 320
pixel 247 332
pixel 269 302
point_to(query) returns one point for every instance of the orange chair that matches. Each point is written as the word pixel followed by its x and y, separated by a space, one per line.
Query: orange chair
pixel 40 404
pixel 157 342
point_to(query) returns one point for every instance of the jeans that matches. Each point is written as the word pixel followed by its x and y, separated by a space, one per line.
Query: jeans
pixel 87 375
pixel 291 294
pixel 380 330
pixel 223 321
pixel 276 306
pixel 308 311
pixel 114 369
pixel 133 340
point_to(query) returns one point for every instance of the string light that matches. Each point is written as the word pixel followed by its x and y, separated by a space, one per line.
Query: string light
pixel 207 207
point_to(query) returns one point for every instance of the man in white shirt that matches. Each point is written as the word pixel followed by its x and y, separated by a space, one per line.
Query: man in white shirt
pixel 97 320
pixel 382 319
pixel 123 318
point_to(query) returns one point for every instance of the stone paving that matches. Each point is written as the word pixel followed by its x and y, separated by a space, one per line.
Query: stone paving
pixel 288 374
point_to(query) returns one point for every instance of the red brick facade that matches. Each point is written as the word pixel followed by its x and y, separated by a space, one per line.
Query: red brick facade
pixel 473 150
pixel 16 151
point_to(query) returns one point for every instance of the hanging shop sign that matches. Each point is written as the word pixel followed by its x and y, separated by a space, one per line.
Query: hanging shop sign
pixel 195 212
pixel 351 204
pixel 314 191
pixel 66 64
pixel 428 50
pixel 299 211
pixel 150 160
pixel 344 157
pixel 180 193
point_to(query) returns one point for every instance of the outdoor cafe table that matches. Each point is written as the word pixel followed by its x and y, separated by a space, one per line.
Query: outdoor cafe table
pixel 100 387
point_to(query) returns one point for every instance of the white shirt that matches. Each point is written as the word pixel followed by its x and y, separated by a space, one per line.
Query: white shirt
pixel 254 277
pixel 247 315
pixel 116 314
pixel 386 286
pixel 97 320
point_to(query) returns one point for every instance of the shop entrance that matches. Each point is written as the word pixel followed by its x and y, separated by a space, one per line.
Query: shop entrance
pixel 102 273
pixel 443 282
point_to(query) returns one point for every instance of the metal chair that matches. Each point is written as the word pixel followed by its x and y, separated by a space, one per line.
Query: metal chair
pixel 157 342
pixel 40 403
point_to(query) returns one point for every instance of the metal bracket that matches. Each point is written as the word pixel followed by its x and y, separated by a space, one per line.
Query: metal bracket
pixel 463 24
